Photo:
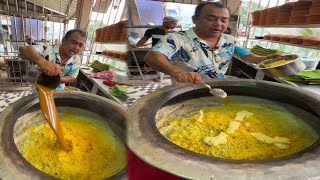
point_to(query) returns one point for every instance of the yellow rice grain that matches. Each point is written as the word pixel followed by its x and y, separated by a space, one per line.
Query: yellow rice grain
pixel 97 153
pixel 268 118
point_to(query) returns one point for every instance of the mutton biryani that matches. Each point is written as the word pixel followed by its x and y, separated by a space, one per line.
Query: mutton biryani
pixel 237 128
pixel 97 153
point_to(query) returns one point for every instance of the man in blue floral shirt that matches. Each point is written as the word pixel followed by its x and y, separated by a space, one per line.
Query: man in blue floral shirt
pixel 201 52
pixel 58 59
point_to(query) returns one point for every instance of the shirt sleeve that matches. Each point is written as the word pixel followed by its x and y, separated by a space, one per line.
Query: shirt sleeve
pixel 43 51
pixel 74 67
pixel 168 45
pixel 38 48
pixel 148 33
pixel 241 51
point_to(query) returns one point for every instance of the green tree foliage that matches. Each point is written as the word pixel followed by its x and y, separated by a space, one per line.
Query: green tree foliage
pixel 245 8
pixel 93 25
pixel 306 32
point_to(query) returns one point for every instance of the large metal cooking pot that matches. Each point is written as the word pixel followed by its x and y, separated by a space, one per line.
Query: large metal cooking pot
pixel 14 166
pixel 147 143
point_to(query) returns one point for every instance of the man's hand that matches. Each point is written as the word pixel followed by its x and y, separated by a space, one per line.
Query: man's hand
pixel 67 79
pixel 187 77
pixel 160 62
pixel 49 68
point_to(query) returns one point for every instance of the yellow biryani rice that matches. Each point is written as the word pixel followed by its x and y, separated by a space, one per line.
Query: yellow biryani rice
pixel 97 153
pixel 274 64
pixel 180 124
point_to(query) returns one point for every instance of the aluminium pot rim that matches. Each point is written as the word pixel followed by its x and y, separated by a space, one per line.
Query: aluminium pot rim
pixel 286 69
pixel 12 164
pixel 147 143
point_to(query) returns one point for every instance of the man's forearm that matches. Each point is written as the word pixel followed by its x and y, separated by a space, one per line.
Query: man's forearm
pixel 67 79
pixel 142 41
pixel 28 53
pixel 159 62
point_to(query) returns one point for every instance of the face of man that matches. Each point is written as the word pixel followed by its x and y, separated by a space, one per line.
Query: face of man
pixel 29 41
pixel 211 22
pixel 171 24
pixel 73 45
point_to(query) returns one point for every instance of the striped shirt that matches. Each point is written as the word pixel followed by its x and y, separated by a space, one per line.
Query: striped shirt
pixel 156 34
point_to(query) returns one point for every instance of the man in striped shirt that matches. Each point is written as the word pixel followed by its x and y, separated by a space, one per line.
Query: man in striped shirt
pixel 168 24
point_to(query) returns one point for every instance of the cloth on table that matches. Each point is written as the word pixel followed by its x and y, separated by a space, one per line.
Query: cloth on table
pixel 104 75
pixel 111 83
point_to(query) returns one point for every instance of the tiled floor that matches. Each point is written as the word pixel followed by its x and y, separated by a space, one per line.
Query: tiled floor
pixel 136 92
pixel 137 89
pixel 7 97
pixel 11 91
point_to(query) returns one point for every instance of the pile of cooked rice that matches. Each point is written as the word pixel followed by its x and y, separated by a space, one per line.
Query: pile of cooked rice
pixel 239 128
pixel 96 152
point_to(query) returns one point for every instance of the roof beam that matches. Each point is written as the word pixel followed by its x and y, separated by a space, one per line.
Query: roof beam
pixel 134 13
pixel 25 6
pixel 84 9
pixel 68 8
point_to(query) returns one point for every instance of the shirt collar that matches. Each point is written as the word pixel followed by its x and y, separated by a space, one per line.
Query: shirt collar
pixel 57 54
pixel 56 48
pixel 190 33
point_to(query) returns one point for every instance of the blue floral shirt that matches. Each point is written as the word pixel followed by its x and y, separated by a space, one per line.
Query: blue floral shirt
pixel 191 53
pixel 51 53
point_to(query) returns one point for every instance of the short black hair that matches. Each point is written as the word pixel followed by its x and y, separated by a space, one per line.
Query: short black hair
pixel 215 4
pixel 69 33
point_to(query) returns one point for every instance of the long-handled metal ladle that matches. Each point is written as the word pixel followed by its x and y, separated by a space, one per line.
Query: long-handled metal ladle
pixel 216 91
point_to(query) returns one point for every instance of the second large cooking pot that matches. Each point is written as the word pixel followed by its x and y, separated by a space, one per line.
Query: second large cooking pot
pixel 147 143
pixel 14 166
